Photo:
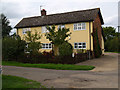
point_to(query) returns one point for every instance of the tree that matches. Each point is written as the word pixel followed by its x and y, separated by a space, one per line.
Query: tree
pixel 33 43
pixel 65 49
pixel 12 47
pixel 6 28
pixel 109 32
pixel 113 45
pixel 57 37
pixel 112 40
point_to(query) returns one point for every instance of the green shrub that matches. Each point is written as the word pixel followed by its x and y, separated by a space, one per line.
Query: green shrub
pixel 97 48
pixel 113 45
pixel 81 51
pixel 12 47
pixel 65 49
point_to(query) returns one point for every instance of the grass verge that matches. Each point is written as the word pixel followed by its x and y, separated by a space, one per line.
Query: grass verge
pixel 50 66
pixel 19 82
pixel 112 52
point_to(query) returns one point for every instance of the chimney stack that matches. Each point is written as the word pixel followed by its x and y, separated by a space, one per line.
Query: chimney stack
pixel 43 12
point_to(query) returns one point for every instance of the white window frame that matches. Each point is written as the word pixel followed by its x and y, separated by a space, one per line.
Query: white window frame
pixel 81 44
pixel 44 29
pixel 47 44
pixel 24 30
pixel 61 26
pixel 79 26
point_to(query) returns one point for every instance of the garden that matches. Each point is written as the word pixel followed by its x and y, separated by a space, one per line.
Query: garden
pixel 28 50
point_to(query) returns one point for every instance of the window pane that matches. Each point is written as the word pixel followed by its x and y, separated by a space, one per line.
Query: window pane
pixel 80 43
pixel 79 28
pixel 44 29
pixel 75 26
pixel 83 25
pixel 84 46
pixel 50 46
pixel 75 43
pixel 84 43
pixel 62 26
pixel 76 46
pixel 43 45
pixel 47 45
pixel 79 24
pixel 80 46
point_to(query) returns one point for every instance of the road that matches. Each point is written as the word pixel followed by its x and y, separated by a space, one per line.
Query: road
pixel 105 75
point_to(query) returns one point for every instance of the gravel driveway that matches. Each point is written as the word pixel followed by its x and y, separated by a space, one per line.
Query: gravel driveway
pixel 105 75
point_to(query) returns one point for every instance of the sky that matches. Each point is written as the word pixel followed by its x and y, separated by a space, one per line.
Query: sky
pixel 15 10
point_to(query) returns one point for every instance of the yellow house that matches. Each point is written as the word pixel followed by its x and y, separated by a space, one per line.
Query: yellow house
pixel 82 24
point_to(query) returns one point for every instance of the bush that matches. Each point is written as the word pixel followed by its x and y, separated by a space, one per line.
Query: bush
pixel 12 47
pixel 113 45
pixel 81 51
pixel 65 49
pixel 97 48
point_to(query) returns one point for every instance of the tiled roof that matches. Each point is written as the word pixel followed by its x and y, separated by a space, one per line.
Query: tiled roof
pixel 61 18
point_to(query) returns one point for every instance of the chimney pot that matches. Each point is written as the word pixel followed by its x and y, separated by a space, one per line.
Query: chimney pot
pixel 43 12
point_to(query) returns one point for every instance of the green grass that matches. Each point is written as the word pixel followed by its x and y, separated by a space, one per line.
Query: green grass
pixel 112 52
pixel 19 82
pixel 50 66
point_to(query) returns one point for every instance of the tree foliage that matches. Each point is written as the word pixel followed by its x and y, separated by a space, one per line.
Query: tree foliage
pixel 57 37
pixel 33 43
pixel 112 43
pixel 12 47
pixel 65 49
pixel 6 28
pixel 97 49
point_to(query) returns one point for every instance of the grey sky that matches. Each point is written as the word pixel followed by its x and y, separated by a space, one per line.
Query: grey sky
pixel 15 10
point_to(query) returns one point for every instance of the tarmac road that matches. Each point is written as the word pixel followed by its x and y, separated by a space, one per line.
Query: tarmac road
pixel 105 75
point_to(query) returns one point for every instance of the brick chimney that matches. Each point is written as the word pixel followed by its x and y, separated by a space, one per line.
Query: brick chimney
pixel 43 12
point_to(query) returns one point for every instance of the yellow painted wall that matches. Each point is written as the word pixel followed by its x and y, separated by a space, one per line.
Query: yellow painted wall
pixel 76 36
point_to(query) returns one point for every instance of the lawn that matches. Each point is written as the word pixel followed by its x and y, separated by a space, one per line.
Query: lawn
pixel 50 66
pixel 112 52
pixel 19 82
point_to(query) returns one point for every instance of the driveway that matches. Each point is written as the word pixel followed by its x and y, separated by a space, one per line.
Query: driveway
pixel 97 78
pixel 108 62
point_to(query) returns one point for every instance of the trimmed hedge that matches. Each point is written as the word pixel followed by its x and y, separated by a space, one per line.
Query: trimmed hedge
pixel 48 57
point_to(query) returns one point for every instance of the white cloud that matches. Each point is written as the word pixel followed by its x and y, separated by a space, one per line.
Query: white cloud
pixel 110 19
pixel 15 10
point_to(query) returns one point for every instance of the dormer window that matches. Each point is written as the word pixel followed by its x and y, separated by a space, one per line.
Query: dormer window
pixel 79 26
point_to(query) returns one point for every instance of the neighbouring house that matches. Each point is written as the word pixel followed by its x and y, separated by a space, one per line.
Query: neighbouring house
pixel 81 23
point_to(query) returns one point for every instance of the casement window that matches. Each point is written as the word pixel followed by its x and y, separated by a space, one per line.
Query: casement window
pixel 25 30
pixel 46 46
pixel 61 26
pixel 44 29
pixel 79 26
pixel 81 45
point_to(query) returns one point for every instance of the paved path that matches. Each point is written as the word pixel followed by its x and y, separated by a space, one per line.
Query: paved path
pixel 72 79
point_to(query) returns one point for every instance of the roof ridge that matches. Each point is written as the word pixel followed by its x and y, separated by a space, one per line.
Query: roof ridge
pixel 74 11
pixel 63 13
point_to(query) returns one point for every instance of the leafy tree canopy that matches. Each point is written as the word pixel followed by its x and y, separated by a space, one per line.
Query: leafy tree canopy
pixel 6 28
pixel 33 43
pixel 59 36
pixel 109 32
